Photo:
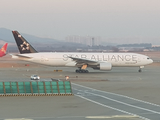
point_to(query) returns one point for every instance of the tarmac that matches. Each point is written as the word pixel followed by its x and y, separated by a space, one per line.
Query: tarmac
pixel 120 94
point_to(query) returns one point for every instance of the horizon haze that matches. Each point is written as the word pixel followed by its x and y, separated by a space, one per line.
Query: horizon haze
pixel 115 21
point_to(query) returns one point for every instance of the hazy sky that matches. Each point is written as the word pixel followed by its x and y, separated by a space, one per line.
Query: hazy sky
pixel 60 18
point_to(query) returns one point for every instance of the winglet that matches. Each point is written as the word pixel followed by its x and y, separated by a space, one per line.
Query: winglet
pixel 23 45
pixel 3 50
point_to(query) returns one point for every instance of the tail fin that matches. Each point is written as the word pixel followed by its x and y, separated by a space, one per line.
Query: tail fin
pixel 3 50
pixel 23 45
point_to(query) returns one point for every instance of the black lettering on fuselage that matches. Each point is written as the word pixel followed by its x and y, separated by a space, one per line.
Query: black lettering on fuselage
pixel 93 57
pixel 113 58
pixel 99 58
pixel 127 57
pixel 134 58
pixel 65 57
pixel 70 55
pixel 120 58
pixel 108 58
pixel 104 58
pixel 76 56
pixel 83 56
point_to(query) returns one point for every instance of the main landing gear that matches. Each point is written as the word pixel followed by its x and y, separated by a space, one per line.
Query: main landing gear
pixel 82 69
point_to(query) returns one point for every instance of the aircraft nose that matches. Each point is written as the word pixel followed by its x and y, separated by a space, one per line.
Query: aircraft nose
pixel 151 61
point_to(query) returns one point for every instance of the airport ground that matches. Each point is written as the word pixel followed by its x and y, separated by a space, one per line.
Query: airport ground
pixel 128 82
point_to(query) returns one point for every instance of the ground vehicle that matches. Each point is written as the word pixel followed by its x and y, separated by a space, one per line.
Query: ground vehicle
pixel 35 77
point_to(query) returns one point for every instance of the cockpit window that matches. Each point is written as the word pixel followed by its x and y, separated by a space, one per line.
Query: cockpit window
pixel 148 58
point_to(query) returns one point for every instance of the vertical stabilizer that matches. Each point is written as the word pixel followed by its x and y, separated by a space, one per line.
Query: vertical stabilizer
pixel 23 45
pixel 3 50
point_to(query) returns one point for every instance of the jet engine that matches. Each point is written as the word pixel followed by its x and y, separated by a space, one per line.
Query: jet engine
pixel 104 66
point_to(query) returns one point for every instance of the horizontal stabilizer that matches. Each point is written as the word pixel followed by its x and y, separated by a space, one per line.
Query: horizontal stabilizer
pixel 20 56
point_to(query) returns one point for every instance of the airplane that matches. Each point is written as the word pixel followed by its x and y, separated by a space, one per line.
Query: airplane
pixel 97 61
pixel 3 50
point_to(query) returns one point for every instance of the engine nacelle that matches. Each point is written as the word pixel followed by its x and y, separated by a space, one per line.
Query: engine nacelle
pixel 105 66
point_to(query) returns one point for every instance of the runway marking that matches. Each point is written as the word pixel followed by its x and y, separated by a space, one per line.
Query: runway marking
pixel 124 103
pixel 18 119
pixel 72 117
pixel 148 113
pixel 96 94
pixel 115 116
pixel 32 118
pixel 113 108
pixel 118 95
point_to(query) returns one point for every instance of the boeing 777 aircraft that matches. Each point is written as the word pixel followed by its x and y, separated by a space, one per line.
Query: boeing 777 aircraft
pixel 3 50
pixel 98 61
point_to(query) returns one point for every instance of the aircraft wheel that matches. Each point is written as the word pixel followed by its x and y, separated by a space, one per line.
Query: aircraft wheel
pixel 139 70
pixel 81 71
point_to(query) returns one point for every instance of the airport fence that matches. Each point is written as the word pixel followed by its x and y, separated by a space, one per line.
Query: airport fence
pixel 40 88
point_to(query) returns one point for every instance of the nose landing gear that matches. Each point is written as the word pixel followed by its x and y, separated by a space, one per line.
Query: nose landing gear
pixel 140 68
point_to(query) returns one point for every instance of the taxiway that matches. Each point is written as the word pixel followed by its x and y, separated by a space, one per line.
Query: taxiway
pixel 120 94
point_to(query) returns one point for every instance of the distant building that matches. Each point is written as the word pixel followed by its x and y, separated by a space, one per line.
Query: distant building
pixel 86 40
pixel 155 45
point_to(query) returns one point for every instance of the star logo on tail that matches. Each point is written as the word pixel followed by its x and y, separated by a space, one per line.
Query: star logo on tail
pixel 24 46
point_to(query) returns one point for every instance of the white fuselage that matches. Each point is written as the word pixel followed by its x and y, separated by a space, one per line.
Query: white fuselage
pixel 61 59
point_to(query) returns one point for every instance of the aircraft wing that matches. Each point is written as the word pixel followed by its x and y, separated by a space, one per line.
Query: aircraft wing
pixel 84 61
